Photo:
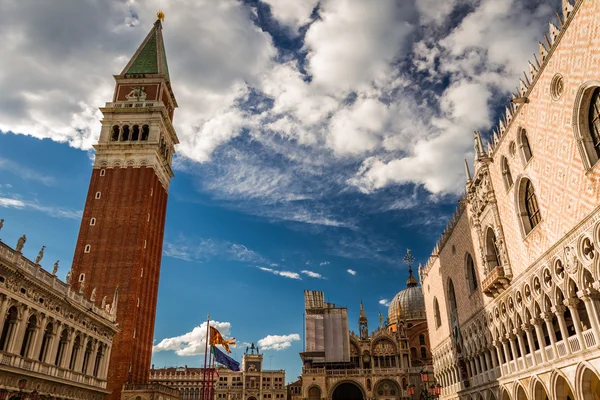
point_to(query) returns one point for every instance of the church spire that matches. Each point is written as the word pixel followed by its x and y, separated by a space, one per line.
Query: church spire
pixel 150 58
pixel 363 323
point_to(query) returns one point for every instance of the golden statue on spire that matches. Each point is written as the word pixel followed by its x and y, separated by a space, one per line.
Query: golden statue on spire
pixel 160 15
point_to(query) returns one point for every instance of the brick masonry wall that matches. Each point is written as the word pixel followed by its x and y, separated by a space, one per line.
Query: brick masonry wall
pixel 126 247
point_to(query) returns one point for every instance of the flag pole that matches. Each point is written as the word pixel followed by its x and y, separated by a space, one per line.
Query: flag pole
pixel 205 351
pixel 212 372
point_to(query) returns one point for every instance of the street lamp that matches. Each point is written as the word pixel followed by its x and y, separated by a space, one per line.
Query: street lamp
pixel 429 391
pixel 21 385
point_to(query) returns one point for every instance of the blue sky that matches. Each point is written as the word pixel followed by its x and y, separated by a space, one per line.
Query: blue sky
pixel 317 138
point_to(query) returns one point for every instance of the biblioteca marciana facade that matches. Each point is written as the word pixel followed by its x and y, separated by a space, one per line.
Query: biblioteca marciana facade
pixel 54 342
pixel 511 288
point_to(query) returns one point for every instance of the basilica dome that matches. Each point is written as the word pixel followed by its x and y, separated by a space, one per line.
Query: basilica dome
pixel 408 304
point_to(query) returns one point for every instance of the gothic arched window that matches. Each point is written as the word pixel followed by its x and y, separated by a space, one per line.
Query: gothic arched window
pixel 436 313
pixel 525 146
pixel 471 272
pixel 531 205
pixel 491 251
pixel 594 121
pixel 506 175
pixel 586 123
pixel 423 353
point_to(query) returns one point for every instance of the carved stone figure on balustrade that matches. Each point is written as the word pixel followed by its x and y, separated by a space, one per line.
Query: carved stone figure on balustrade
pixel 55 268
pixel 21 243
pixel 93 295
pixel 68 278
pixel 40 255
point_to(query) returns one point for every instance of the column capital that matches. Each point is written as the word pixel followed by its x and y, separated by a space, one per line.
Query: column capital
pixel 559 309
pixel 571 302
pixel 526 327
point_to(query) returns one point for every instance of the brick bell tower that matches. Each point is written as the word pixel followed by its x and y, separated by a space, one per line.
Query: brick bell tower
pixel 120 241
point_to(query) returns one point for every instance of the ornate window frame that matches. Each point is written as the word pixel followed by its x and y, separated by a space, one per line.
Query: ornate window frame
pixel 520 205
pixel 581 128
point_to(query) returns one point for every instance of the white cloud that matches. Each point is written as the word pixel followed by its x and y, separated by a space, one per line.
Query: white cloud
pixel 312 274
pixel 58 212
pixel 285 274
pixel 277 342
pixel 292 13
pixel 351 271
pixel 349 105
pixel 25 173
pixel 384 302
pixel 349 46
pixel 324 263
pixel 192 343
pixel 203 249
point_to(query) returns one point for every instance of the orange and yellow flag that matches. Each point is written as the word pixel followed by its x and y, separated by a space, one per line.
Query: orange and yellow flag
pixel 217 338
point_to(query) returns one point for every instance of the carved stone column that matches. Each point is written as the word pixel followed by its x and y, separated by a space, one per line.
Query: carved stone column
pixel 50 357
pixel 527 329
pixel 572 304
pixel 592 310
pixel 513 346
pixel 506 352
pixel 559 310
pixel 550 327
pixel 18 335
pixel 537 324
pixel 518 333
pixel 3 309
pixel 38 338
pixel 66 360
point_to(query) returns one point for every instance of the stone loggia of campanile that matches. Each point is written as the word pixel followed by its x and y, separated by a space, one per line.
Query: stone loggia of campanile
pixel 121 236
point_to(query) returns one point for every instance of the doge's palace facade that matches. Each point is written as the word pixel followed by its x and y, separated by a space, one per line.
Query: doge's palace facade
pixel 512 286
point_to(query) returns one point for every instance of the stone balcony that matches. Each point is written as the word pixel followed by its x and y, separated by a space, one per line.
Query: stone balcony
pixel 495 283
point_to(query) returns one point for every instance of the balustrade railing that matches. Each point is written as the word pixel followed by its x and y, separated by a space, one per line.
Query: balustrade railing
pixel 574 344
pixel 561 349
pixel 16 361
pixel 589 339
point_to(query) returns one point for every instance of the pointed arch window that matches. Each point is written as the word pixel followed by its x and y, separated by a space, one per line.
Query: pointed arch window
pixel 436 313
pixel 506 175
pixel 528 206
pixel 526 153
pixel 471 273
pixel 491 251
pixel 531 205
pixel 586 123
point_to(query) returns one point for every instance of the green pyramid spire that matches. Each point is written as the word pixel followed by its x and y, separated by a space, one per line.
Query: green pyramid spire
pixel 150 57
